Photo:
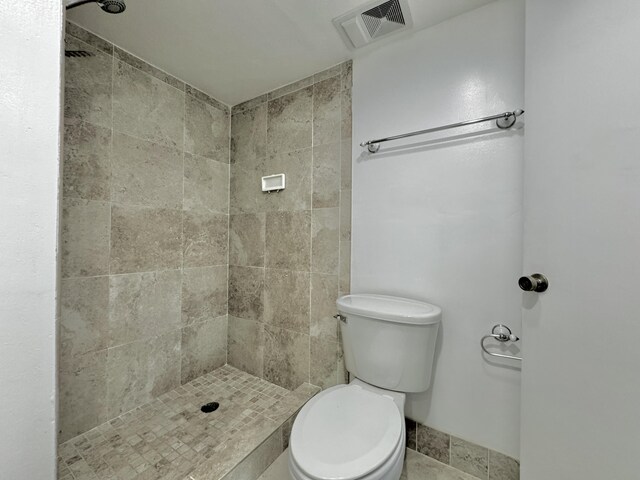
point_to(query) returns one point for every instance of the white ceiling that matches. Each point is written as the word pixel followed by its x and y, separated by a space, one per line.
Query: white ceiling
pixel 236 50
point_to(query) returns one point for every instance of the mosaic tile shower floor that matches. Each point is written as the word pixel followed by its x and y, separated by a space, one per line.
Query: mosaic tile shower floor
pixel 170 437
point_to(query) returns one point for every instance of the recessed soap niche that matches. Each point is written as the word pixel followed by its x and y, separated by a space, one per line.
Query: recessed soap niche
pixel 273 183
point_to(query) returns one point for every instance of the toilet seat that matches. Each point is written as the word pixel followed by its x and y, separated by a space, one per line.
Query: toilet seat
pixel 346 432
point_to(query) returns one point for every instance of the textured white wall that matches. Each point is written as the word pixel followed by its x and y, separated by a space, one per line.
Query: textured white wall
pixel 30 81
pixel 442 221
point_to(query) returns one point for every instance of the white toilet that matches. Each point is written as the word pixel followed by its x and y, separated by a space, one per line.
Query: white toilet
pixel 356 431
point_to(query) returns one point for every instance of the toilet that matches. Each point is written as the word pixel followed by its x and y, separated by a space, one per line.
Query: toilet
pixel 357 431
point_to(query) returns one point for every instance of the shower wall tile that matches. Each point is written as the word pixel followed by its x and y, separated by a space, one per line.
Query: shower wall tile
pixel 144 238
pixel 203 348
pixel 297 167
pixel 144 173
pixel 143 305
pixel 84 315
pixel 286 299
pixel 87 163
pixel 289 123
pixel 204 294
pixel 88 85
pixel 288 240
pixel 85 238
pixel 147 108
pixel 325 240
pixel 346 114
pixel 205 239
pixel 286 357
pixel 206 184
pixel 246 345
pixel 247 239
pixel 326 175
pixel 206 130
pixel 249 135
pixel 82 394
pixel 347 75
pixel 327 114
pixel 293 237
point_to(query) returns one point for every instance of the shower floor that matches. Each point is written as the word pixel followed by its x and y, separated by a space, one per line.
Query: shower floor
pixel 170 438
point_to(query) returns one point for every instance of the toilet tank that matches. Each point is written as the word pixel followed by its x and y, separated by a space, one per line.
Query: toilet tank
pixel 388 341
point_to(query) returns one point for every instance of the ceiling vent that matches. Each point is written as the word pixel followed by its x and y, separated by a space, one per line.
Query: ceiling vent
pixel 372 21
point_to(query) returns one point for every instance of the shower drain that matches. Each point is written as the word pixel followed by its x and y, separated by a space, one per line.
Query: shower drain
pixel 209 407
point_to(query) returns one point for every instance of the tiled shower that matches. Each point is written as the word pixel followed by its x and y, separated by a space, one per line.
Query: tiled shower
pixel 174 262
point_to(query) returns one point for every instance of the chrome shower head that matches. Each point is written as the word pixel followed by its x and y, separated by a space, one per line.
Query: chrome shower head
pixel 109 6
pixel 112 6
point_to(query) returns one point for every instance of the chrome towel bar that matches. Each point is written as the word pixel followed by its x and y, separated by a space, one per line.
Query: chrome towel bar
pixel 503 120
pixel 501 333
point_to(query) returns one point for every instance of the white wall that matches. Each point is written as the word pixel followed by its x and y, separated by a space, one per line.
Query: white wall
pixel 581 382
pixel 442 221
pixel 30 80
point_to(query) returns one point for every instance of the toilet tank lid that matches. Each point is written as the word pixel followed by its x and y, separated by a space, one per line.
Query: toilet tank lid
pixel 392 309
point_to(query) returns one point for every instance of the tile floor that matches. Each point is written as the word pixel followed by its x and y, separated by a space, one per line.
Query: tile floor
pixel 170 438
pixel 416 467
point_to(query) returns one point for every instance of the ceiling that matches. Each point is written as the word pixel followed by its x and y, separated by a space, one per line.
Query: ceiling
pixel 236 50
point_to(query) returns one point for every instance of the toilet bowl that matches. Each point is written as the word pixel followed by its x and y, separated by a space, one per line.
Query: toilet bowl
pixel 357 431
pixel 349 432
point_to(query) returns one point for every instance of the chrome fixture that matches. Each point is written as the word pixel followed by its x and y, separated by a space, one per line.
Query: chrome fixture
pixel 109 6
pixel 534 283
pixel 504 121
pixel 503 334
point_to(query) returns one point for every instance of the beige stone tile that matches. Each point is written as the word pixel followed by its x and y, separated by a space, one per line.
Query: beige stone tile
pixel 502 467
pixel 289 125
pixel 325 240
pixel 345 268
pixel 147 108
pixel 419 467
pixel 249 135
pixel 140 371
pixel 324 293
pixel 288 240
pixel 204 294
pixel 144 173
pixel 249 104
pixel 324 362
pixel 82 393
pixel 326 111
pixel 411 431
pixel 206 130
pixel 247 239
pixel 87 85
pixel 246 292
pixel 84 315
pixel 71 29
pixel 328 73
pixel 345 215
pixel 246 194
pixel 205 238
pixel 286 299
pixel 346 114
pixel 347 75
pixel 469 457
pixel 433 443
pixel 346 155
pixel 206 184
pixel 286 357
pixel 147 68
pixel 203 97
pixel 143 305
pixel 297 167
pixel 257 461
pixel 85 238
pixel 204 348
pixel 246 345
pixel 290 88
pixel 326 175
pixel 87 166
pixel 144 238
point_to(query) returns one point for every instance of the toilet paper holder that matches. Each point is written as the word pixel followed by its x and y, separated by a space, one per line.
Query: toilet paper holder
pixel 503 334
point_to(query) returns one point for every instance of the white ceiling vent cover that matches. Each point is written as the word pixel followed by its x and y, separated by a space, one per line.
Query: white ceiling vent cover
pixel 372 21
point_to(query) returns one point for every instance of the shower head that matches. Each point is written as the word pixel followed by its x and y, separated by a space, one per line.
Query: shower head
pixel 109 6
